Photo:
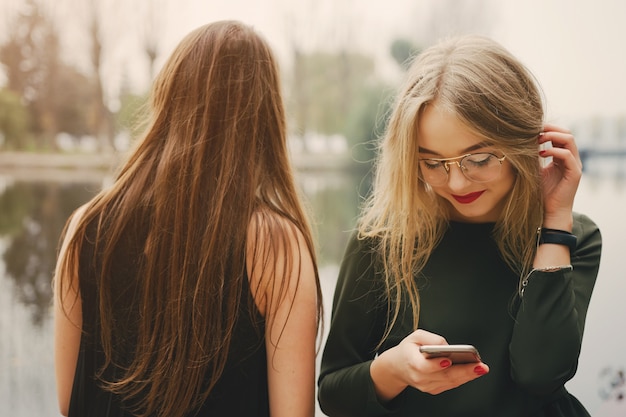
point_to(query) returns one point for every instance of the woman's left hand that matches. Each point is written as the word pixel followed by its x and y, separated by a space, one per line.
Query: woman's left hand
pixel 561 177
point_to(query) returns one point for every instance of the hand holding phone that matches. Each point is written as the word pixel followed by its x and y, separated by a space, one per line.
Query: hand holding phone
pixel 456 353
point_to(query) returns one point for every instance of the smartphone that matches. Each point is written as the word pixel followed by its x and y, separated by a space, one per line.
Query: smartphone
pixel 456 353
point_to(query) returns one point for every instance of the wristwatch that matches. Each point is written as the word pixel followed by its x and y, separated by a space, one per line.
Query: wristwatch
pixel 558 237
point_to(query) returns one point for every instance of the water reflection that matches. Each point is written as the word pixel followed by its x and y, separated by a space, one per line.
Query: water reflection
pixel 33 216
pixel 34 213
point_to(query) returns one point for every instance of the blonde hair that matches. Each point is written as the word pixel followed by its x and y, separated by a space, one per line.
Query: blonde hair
pixel 212 162
pixel 498 99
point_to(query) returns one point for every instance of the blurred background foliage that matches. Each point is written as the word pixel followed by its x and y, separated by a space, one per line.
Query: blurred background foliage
pixel 45 94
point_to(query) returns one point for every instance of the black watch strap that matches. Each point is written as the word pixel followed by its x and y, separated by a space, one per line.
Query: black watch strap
pixel 558 237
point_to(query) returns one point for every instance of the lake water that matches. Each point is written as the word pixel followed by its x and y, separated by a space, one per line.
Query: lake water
pixel 33 211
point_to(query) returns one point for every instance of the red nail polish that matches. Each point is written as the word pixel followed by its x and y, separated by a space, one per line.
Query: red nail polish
pixel 542 153
pixel 445 363
pixel 479 370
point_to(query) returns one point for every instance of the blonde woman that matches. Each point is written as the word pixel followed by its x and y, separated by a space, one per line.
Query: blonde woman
pixel 466 239
pixel 190 288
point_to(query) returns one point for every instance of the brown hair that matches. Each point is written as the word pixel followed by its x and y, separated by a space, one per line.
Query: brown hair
pixel 212 161
pixel 494 95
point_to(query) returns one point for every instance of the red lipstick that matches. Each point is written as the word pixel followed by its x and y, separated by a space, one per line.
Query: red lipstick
pixel 468 198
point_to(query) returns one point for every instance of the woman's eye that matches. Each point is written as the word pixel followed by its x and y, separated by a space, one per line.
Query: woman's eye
pixel 431 164
pixel 480 159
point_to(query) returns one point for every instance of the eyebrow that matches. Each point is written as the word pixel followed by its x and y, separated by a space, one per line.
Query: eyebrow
pixel 464 151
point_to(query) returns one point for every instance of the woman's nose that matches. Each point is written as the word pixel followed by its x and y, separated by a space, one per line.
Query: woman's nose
pixel 456 178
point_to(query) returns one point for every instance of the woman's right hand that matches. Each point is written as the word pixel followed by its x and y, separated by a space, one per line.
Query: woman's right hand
pixel 404 365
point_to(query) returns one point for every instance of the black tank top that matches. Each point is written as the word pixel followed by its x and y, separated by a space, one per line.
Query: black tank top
pixel 242 389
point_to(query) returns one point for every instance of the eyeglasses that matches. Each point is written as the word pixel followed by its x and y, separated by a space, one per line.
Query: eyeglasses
pixel 477 167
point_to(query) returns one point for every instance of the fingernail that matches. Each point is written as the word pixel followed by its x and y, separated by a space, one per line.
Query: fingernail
pixel 445 363
pixel 542 153
pixel 479 370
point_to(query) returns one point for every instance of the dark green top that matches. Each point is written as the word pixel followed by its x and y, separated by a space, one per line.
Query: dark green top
pixel 469 296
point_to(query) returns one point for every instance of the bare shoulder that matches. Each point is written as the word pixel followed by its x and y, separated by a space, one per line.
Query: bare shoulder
pixel 74 220
pixel 278 257
pixel 70 229
pixel 274 235
pixel 269 223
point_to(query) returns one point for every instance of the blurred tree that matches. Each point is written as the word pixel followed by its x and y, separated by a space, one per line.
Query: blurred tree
pixel 72 105
pixel 402 50
pixel 129 116
pixel 57 96
pixel 31 57
pixel 106 32
pixel 14 121
pixel 365 125
pixel 336 210
pixel 101 116
pixel 367 119
pixel 153 22
pixel 324 87
pixel 340 93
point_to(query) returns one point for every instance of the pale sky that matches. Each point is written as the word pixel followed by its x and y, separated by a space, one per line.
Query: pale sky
pixel 574 47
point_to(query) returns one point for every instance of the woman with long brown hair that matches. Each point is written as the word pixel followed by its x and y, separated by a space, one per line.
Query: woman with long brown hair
pixel 190 286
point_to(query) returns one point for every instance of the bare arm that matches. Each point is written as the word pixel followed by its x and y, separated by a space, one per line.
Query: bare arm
pixel 288 300
pixel 67 325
